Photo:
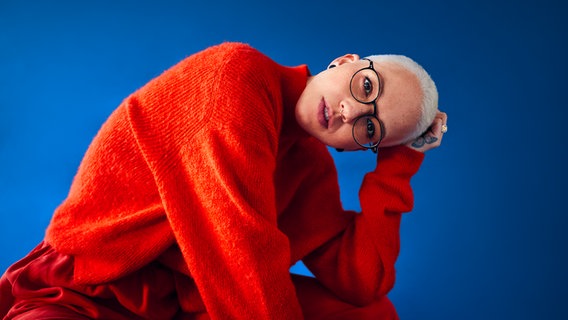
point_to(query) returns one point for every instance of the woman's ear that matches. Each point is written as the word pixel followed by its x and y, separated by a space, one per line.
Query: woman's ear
pixel 348 58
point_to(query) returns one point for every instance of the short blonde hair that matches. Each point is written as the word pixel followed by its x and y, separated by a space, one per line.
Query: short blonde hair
pixel 429 105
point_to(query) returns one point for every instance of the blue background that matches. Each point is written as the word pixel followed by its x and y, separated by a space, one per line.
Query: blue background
pixel 487 238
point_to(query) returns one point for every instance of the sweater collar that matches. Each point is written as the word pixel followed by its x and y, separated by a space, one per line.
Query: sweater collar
pixel 293 82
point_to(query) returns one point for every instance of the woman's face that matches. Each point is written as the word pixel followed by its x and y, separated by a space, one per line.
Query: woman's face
pixel 327 109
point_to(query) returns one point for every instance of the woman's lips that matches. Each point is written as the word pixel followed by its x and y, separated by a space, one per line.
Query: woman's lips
pixel 323 114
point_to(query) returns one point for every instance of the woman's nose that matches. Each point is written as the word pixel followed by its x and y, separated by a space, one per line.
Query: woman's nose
pixel 352 110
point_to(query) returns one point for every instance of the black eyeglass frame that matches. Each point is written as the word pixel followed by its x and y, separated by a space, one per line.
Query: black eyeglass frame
pixel 374 147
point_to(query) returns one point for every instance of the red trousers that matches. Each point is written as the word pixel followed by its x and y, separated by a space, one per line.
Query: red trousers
pixel 41 286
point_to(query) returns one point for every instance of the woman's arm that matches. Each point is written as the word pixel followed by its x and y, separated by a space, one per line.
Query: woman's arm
pixel 212 150
pixel 358 264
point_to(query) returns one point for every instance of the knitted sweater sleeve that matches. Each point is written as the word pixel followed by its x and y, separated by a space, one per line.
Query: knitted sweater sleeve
pixel 213 160
pixel 358 264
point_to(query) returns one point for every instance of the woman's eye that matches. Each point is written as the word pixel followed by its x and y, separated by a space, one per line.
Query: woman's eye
pixel 370 128
pixel 368 86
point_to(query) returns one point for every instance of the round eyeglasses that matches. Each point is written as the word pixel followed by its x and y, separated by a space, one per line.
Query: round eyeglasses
pixel 365 87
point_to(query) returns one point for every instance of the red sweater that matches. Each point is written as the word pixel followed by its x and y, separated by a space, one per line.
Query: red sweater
pixel 207 161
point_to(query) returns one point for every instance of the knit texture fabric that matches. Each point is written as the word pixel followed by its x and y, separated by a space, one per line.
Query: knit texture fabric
pixel 207 159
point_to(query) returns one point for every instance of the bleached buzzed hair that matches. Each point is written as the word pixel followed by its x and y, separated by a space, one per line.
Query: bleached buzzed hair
pixel 429 105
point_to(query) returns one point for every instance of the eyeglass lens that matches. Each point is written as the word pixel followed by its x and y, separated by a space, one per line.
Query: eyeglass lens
pixel 367 131
pixel 365 85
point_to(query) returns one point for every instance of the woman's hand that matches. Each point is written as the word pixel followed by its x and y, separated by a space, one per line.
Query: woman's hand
pixel 432 138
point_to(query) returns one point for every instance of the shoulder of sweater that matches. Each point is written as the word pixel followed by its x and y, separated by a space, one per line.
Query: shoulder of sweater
pixel 237 52
pixel 240 49
pixel 241 61
pixel 245 73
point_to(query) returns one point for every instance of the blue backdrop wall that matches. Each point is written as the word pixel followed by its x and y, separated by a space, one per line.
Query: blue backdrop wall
pixel 487 237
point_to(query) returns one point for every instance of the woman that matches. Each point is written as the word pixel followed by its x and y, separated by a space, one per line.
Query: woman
pixel 208 183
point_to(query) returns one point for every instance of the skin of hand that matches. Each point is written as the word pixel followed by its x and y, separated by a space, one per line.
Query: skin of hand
pixel 432 138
